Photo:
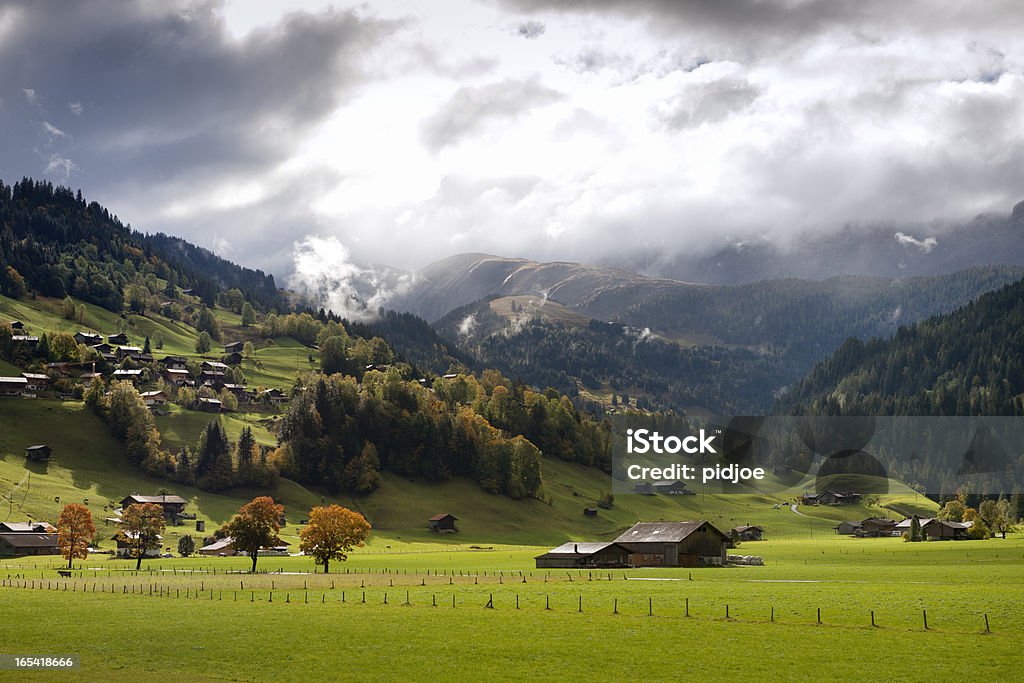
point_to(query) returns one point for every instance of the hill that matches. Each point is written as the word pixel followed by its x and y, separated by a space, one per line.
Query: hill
pixel 967 362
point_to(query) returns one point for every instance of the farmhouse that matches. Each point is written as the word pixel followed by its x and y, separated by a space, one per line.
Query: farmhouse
pixel 38 453
pixel 88 338
pixel 222 548
pixel 272 396
pixel 747 533
pixel 22 544
pixel 943 530
pixel 847 528
pixel 173 505
pixel 575 555
pixel 209 405
pixel 443 523
pixel 119 339
pixel 177 377
pixel 25 339
pixel 672 488
pixel 234 347
pixel 154 398
pixel 13 386
pixel 675 544
pixel 17 325
pixel 36 381
pixel 234 358
pixel 133 376
pixel 133 352
pixel 174 362
pixel 125 548
pixel 876 527
pixel 26 528
pixel 831 498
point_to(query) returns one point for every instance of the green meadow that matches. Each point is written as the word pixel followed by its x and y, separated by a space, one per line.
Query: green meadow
pixel 386 613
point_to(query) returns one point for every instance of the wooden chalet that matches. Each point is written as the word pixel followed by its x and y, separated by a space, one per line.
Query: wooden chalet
pixel 27 528
pixel 133 376
pixel 17 325
pixel 154 398
pixel 24 544
pixel 575 555
pixel 675 544
pixel 443 523
pixel 13 386
pixel 36 381
pixel 876 527
pixel 174 362
pixel 178 377
pixel 30 340
pixel 88 338
pixel 222 548
pixel 173 505
pixel 38 453
pixel 209 405
pixel 125 545
pixel 847 528
pixel 119 339
pixel 234 347
pixel 831 498
pixel 234 358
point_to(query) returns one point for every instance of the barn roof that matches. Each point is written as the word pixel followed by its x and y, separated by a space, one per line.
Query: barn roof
pixel 662 532
pixel 20 540
pixel 443 515
pixel 169 498
pixel 580 549
pixel 25 527
pixel 741 529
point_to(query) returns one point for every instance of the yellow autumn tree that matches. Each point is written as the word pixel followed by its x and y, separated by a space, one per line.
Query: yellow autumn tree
pixel 331 533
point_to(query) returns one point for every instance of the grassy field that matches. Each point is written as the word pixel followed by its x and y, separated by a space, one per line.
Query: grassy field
pixel 670 623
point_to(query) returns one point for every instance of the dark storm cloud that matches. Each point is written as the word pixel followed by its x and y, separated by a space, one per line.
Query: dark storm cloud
pixel 471 109
pixel 148 92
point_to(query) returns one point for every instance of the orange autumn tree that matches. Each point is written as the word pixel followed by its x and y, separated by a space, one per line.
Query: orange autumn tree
pixel 75 532
pixel 331 533
pixel 255 526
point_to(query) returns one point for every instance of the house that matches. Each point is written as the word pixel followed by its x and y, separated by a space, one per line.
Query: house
pixel 222 548
pixel 847 528
pixel 830 498
pixel 178 377
pixel 943 530
pixel 234 347
pixel 672 488
pixel 125 547
pixel 88 377
pixel 876 527
pixel 22 544
pixel 590 512
pixel 174 362
pixel 154 398
pixel 38 453
pixel 17 325
pixel 575 555
pixel 644 487
pixel 675 544
pixel 36 381
pixel 133 352
pixel 233 358
pixel 13 386
pixel 102 349
pixel 62 368
pixel 25 339
pixel 88 338
pixel 443 523
pixel 173 505
pixel 747 533
pixel 272 396
pixel 133 376
pixel 209 405
pixel 27 528
pixel 214 366
pixel 119 339
pixel 238 390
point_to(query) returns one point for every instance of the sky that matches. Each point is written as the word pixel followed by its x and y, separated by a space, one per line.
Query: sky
pixel 399 133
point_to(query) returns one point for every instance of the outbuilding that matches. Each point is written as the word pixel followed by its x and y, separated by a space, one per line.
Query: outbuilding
pixel 574 555
pixel 675 544
pixel 443 523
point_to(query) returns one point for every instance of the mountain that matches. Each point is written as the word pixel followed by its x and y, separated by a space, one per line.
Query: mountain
pixel 967 362
pixel 879 250
pixel 605 331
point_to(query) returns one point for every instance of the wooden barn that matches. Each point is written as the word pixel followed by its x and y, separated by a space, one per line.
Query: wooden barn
pixel 942 530
pixel 876 527
pixel 747 533
pixel 675 544
pixel 575 555
pixel 38 453
pixel 443 523
pixel 22 544
pixel 847 528
pixel 672 488
pixel 173 505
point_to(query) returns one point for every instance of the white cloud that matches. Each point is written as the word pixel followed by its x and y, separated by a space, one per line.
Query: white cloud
pixel 75 108
pixel 925 245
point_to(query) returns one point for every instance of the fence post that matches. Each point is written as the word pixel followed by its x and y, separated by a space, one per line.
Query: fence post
pixel 986 624
pixel 615 607
pixel 819 615
pixel 925 613
pixel 873 617
pixel 650 606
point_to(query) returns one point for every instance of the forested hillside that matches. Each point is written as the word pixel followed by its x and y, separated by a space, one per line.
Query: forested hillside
pixel 968 362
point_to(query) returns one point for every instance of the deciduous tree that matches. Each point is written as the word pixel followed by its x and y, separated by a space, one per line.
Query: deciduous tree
pixel 75 532
pixel 141 526
pixel 255 526
pixel 331 533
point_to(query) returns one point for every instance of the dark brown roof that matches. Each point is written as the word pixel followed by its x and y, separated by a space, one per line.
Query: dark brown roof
pixel 437 518
pixel 30 540
pixel 577 550
pixel 662 532
pixel 169 498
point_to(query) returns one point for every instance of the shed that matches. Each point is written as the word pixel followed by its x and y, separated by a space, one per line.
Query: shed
pixel 26 528
pixel 443 523
pixel 672 488
pixel 847 528
pixel 38 453
pixel 675 544
pixel 222 548
pixel 876 527
pixel 172 505
pixel 575 555
pixel 13 386
pixel 234 347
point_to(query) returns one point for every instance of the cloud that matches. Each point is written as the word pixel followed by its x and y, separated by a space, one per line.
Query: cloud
pixel 30 95
pixel 708 102
pixel 60 168
pixel 466 326
pixel 470 110
pixel 530 29
pixel 925 245
pixel 324 271
pixel 75 108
